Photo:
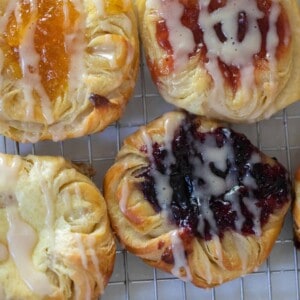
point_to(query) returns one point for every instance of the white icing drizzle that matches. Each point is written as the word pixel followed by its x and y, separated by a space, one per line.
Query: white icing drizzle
pixel 22 239
pixel 164 189
pixel 3 253
pixel 84 261
pixel 233 197
pixel 249 181
pixel 124 196
pixel 78 192
pixel 39 172
pixel 66 198
pixel 256 212
pixel 272 39
pixel 148 142
pixel 180 37
pixel 9 172
pixel 18 14
pixel 58 131
pixel 232 52
pixel 81 249
pixel 254 159
pixel 107 50
pixel 171 126
pixel 95 261
pixel 179 257
pixel 110 51
pixel 100 6
pixel 206 214
pixel 213 158
pixel 49 203
pixel 66 13
pixel 162 185
pixel 214 185
pixel 75 46
pixel 29 62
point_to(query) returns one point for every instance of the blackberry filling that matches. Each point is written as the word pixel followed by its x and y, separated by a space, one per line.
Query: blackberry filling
pixel 212 182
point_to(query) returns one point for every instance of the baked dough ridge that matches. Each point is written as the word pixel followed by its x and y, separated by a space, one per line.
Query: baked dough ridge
pixel 55 235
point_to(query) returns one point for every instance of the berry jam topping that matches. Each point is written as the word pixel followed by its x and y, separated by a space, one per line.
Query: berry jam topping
pixel 234 33
pixel 212 182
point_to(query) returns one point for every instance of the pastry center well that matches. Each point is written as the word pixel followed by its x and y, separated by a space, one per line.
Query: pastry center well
pixel 212 182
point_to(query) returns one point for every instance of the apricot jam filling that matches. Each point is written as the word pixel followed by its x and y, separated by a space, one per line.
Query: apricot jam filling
pixel 50 22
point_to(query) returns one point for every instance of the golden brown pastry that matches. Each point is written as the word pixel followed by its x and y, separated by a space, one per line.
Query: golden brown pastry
pixel 196 199
pixel 55 237
pixel 231 60
pixel 67 68
pixel 296 209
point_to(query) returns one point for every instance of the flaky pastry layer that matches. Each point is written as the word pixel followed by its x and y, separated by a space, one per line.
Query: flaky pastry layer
pixel 55 236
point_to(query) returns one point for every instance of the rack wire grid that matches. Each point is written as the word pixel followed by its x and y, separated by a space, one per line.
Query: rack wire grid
pixel 276 279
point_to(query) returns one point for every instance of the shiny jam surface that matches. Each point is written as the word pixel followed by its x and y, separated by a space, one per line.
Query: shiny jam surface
pixel 234 190
pixel 115 6
pixel 231 73
pixel 52 25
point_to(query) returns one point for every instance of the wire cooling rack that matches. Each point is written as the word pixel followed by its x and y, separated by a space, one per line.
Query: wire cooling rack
pixel 276 279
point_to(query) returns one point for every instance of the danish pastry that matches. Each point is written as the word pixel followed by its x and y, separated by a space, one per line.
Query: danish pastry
pixel 196 199
pixel 55 237
pixel 67 68
pixel 232 60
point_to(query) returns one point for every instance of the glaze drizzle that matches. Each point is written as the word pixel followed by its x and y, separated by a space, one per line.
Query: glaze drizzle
pixel 232 37
pixel 212 182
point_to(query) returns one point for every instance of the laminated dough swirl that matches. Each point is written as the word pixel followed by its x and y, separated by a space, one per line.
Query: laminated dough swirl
pixel 67 67
pixel 196 199
pixel 55 236
pixel 232 60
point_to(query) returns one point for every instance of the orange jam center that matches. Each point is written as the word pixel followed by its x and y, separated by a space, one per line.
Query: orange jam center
pixel 115 6
pixel 52 23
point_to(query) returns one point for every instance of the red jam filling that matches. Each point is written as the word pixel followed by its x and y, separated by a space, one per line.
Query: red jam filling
pixel 231 73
